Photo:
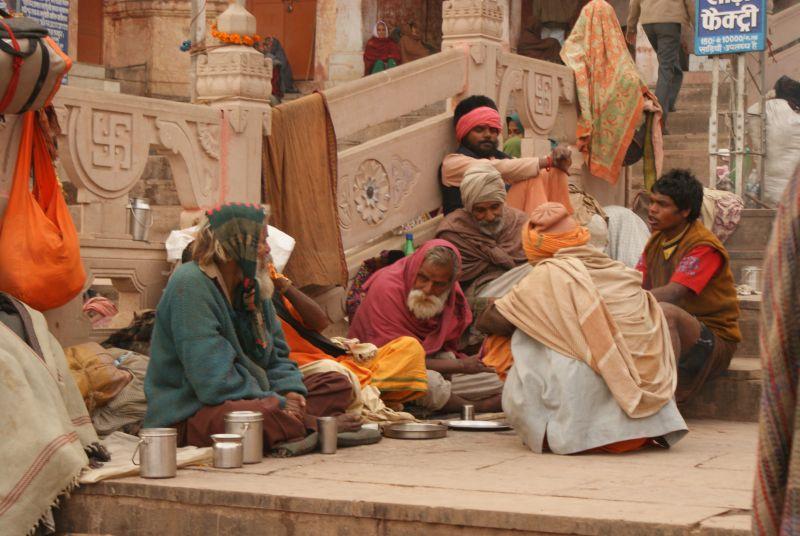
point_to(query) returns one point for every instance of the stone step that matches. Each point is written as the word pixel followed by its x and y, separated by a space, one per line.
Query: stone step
pixel 695 160
pixel 698 97
pixel 753 231
pixel 693 122
pixel 691 142
pixel 734 396
pixel 468 484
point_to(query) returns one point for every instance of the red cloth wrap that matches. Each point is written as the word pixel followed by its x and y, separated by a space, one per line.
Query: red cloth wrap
pixel 479 116
pixel 384 316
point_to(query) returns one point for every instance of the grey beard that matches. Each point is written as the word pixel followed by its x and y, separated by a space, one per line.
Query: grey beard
pixel 491 229
pixel 266 288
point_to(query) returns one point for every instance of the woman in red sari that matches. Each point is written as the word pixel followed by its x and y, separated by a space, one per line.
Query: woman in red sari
pixel 381 51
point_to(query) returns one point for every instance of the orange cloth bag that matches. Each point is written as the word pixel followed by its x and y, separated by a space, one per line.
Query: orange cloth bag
pixel 40 258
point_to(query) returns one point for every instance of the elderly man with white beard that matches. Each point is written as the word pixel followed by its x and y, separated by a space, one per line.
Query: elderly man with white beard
pixel 218 346
pixel 487 232
pixel 419 296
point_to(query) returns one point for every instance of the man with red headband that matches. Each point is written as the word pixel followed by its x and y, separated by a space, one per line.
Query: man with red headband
pixel 534 180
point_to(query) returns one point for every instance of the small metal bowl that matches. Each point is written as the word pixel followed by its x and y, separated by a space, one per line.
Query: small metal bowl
pixel 415 430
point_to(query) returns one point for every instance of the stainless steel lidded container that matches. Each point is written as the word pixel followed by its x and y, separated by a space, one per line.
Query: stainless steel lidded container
pixel 228 450
pixel 249 425
pixel 158 453
pixel 751 276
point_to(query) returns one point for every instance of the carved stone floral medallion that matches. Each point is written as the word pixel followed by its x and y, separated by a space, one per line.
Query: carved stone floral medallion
pixel 371 191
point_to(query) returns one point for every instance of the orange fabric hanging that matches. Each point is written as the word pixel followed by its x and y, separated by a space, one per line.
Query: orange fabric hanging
pixel 38 242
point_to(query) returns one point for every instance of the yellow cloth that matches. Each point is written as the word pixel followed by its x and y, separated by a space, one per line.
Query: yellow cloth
pixel 585 305
pixel 98 379
pixel 538 246
pixel 366 400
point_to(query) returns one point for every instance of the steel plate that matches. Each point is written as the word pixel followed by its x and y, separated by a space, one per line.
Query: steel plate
pixel 415 430
pixel 479 426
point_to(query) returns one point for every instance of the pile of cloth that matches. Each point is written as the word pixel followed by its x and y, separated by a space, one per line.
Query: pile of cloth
pixel 48 437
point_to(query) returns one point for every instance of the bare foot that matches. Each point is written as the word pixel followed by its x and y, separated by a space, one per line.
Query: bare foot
pixel 347 422
pixel 492 404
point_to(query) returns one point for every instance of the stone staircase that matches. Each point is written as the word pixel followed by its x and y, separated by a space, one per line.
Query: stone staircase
pixel 686 143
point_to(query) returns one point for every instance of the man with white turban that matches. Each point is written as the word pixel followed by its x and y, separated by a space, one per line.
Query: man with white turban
pixel 487 232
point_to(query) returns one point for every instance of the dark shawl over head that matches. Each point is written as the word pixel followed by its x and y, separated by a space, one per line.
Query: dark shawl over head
pixel 485 257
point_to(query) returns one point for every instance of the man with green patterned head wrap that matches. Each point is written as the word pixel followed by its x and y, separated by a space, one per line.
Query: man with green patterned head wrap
pixel 218 347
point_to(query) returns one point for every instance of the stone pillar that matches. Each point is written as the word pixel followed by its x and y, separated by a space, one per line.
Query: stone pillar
pixel 339 45
pixel 141 44
pixel 236 80
pixel 476 27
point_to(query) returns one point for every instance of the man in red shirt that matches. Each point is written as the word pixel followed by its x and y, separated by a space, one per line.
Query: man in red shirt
pixel 687 269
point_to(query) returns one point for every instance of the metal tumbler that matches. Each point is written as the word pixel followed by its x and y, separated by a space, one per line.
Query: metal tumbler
pixel 249 425
pixel 327 429
pixel 467 412
pixel 228 451
pixel 158 453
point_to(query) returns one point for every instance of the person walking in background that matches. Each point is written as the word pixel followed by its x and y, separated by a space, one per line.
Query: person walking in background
pixel 662 21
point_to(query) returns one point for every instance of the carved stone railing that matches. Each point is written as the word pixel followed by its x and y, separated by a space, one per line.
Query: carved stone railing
pixel 394 92
pixel 391 181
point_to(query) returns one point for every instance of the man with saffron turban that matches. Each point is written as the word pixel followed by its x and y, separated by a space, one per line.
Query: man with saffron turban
pixel 419 296
pixel 218 347
pixel 533 180
pixel 487 232
pixel 593 362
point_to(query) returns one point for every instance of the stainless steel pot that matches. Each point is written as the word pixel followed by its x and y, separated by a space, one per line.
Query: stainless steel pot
pixel 249 425
pixel 228 450
pixel 751 276
pixel 158 453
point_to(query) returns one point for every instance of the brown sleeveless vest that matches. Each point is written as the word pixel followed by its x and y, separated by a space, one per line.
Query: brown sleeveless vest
pixel 717 306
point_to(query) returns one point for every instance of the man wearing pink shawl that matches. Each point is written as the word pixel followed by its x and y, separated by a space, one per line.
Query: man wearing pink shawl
pixel 419 296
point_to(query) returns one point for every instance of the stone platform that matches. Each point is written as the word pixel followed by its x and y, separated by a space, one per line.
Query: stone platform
pixel 466 484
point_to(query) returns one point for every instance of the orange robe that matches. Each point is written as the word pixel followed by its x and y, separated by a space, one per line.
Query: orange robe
pixel 398 369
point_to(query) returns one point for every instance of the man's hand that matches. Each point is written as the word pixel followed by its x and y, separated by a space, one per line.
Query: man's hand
pixel 630 37
pixel 562 158
pixel 473 365
pixel 296 405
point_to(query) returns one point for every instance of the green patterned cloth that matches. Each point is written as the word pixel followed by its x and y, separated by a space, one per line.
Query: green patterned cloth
pixel 238 228
pixel 610 90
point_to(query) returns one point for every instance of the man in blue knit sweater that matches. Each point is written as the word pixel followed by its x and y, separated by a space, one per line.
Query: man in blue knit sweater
pixel 218 347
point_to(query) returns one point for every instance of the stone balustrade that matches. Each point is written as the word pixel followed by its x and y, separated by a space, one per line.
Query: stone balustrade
pixel 214 149
pixel 391 181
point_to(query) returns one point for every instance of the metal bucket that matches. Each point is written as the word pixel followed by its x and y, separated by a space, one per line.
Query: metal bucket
pixel 751 276
pixel 141 218
pixel 249 425
pixel 158 453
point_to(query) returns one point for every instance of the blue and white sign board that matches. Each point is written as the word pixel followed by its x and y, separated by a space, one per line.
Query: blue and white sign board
pixel 729 26
pixel 53 15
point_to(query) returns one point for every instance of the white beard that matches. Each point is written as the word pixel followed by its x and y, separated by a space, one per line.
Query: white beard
pixel 266 288
pixel 491 229
pixel 425 307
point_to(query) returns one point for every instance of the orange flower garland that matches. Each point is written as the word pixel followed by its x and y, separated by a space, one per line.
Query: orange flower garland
pixel 233 38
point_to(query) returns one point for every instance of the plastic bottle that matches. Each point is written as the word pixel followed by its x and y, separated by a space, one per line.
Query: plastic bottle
pixel 408 247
